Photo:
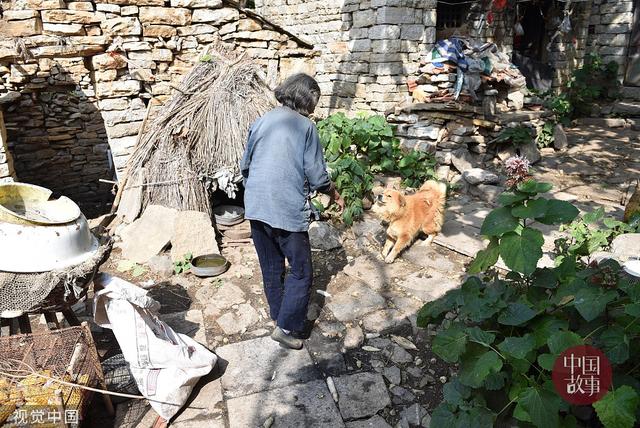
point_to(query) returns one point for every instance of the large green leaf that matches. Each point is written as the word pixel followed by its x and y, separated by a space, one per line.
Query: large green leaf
pixel 498 222
pixel 632 309
pixel 433 311
pixel 533 209
pixel 533 187
pixel 522 252
pixel 545 327
pixel 545 278
pixel 477 366
pixel 559 341
pixel 455 393
pixel 480 336
pixel 443 417
pixel 615 344
pixel 591 301
pixel 542 406
pixel 510 198
pixel 485 258
pixel 618 408
pixel 546 361
pixel 559 212
pixel 450 344
pixel 516 314
pixel 518 347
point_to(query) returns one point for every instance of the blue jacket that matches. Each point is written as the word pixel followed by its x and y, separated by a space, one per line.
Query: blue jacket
pixel 282 163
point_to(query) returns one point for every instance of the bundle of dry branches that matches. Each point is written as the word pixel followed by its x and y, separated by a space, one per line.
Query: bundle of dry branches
pixel 195 143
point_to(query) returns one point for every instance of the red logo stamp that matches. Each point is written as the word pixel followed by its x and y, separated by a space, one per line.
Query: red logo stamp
pixel 582 374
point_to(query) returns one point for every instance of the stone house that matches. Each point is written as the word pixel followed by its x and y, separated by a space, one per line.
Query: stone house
pixel 369 48
pixel 77 79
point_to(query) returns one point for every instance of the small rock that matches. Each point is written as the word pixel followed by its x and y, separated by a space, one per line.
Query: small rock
pixel 376 364
pixel 427 380
pixel 400 356
pixel 392 374
pixel 402 395
pixel 331 329
pixel 414 372
pixel 463 160
pixel 239 320
pixel 353 338
pixel 530 151
pixel 443 379
pixel 414 414
pixel 560 141
pixel 404 342
pixel 479 176
pixel 324 236
pixel 361 395
pixel 161 265
pixel 626 246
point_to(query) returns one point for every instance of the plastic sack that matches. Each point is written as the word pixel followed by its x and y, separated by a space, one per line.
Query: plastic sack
pixel 165 364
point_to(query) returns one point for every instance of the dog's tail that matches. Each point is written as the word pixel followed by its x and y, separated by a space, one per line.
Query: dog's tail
pixel 435 186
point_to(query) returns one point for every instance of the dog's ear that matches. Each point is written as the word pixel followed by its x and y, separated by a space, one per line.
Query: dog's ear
pixel 401 200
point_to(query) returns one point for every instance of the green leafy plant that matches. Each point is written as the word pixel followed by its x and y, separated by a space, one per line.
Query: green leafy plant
pixel 594 81
pixel 134 268
pixel 357 148
pixel 544 137
pixel 183 265
pixel 518 136
pixel 509 228
pixel 590 233
pixel 505 333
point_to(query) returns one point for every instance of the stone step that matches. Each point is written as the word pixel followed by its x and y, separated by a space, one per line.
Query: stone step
pixel 631 93
pixel 627 108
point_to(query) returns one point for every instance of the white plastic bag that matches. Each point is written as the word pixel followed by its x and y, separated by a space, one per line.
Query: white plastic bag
pixel 165 364
pixel 518 29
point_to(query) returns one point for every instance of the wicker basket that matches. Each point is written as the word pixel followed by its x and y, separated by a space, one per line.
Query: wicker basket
pixel 67 354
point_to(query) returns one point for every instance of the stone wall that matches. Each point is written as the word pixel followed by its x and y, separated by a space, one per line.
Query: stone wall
pixel 368 48
pixel 82 75
pixel 610 28
pixel 6 161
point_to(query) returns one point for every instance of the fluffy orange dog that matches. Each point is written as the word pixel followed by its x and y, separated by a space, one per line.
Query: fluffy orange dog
pixel 408 215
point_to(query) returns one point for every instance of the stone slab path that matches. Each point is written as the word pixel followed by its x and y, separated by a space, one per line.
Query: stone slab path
pixel 599 167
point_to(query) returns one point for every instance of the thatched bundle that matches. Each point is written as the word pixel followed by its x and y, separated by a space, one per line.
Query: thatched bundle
pixel 195 143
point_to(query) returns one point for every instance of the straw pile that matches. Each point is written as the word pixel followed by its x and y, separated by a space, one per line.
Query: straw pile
pixel 194 145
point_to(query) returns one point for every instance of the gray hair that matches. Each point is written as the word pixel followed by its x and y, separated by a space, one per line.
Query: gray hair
pixel 299 92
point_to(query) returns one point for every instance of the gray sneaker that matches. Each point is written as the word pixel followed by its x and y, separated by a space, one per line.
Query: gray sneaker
pixel 286 340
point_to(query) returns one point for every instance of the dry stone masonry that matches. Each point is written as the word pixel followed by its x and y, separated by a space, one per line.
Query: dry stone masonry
pixel 367 47
pixel 77 78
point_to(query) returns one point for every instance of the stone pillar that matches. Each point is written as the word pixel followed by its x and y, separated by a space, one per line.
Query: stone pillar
pixel 7 172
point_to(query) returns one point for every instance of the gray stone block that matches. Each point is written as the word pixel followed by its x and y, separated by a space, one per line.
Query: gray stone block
pixel 361 395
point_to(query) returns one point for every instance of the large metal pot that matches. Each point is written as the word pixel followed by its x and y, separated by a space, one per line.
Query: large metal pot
pixel 38 234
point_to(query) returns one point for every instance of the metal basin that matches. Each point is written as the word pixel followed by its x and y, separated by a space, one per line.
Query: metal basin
pixel 39 235
pixel 228 215
pixel 22 203
pixel 209 265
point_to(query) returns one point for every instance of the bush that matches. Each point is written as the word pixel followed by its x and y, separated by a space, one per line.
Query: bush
pixel 357 148
pixel 507 332
pixel 594 81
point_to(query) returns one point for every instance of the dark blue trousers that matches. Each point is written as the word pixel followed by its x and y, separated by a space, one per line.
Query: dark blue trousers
pixel 288 297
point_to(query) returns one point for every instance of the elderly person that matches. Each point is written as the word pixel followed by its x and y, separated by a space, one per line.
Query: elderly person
pixel 282 164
